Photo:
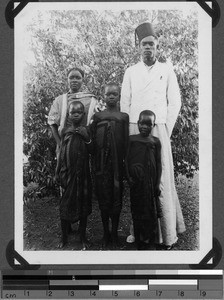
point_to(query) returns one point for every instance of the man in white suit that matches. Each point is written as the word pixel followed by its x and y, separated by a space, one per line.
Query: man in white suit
pixel 153 85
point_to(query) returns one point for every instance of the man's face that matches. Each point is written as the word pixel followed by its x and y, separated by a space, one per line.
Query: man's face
pixel 148 48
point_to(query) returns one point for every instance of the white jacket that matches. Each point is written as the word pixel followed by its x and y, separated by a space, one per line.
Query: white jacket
pixel 154 88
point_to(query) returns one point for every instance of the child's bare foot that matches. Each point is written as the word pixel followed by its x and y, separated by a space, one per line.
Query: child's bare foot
pixel 142 246
pixel 73 229
pixel 62 243
pixel 115 242
pixel 70 231
pixel 85 243
pixel 106 240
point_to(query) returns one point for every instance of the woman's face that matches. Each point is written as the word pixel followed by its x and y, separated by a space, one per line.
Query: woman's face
pixel 75 81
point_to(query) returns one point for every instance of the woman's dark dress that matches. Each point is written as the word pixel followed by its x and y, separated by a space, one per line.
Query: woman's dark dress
pixel 142 168
pixel 74 177
pixel 110 135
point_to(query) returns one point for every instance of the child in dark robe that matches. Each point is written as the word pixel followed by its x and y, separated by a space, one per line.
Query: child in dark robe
pixel 73 174
pixel 144 173
pixel 110 130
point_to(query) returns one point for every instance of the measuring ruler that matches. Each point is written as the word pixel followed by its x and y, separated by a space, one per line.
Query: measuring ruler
pixel 109 284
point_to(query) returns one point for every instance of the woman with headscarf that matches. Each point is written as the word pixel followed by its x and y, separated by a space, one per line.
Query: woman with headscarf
pixel 58 115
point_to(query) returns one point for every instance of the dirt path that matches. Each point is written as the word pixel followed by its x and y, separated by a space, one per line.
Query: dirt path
pixel 42 224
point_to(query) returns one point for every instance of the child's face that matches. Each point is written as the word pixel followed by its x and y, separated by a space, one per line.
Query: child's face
pixel 146 124
pixel 76 113
pixel 111 95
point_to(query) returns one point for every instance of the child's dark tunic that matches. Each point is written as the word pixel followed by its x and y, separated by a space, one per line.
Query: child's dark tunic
pixel 142 167
pixel 110 134
pixel 74 177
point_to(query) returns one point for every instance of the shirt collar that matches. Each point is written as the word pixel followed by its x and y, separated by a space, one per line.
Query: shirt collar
pixel 149 67
pixel 77 93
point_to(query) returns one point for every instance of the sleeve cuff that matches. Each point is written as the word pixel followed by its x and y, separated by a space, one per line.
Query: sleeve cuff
pixel 52 120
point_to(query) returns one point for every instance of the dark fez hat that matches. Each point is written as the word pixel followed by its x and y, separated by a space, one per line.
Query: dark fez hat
pixel 144 30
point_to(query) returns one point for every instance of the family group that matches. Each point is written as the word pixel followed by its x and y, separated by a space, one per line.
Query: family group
pixel 129 140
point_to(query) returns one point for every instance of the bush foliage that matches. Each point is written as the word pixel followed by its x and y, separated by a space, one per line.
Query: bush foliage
pixel 103 44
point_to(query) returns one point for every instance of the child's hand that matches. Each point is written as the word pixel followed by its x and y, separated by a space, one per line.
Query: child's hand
pixel 131 181
pixel 83 132
pixel 56 178
pixel 58 148
pixel 58 141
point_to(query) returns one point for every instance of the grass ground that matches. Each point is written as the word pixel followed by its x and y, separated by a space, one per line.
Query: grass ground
pixel 42 224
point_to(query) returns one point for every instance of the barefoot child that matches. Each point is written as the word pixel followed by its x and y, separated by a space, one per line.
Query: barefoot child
pixel 110 137
pixel 73 173
pixel 144 172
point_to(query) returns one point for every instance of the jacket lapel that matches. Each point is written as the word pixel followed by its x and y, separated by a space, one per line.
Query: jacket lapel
pixel 149 75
